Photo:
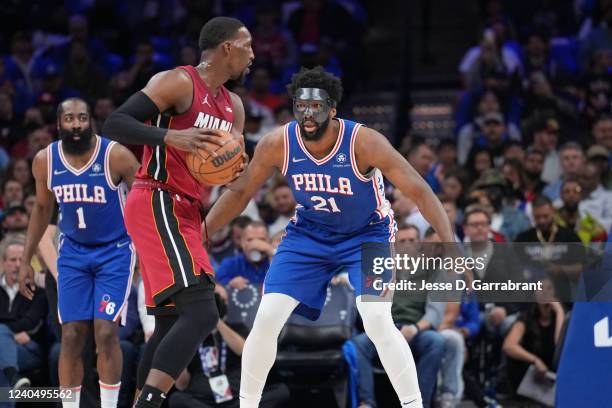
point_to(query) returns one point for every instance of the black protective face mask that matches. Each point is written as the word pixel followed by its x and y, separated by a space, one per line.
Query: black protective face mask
pixel 73 146
pixel 312 105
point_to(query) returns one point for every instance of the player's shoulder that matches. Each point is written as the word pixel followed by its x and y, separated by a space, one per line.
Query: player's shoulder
pixel 274 139
pixel 177 78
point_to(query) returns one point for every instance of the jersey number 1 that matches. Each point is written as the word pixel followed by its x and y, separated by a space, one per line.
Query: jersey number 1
pixel 322 204
pixel 81 217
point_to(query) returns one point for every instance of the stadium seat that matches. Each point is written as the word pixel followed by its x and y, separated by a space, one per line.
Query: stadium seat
pixel 310 353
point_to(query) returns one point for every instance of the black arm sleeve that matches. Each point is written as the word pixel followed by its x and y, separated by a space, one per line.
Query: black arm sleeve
pixel 125 124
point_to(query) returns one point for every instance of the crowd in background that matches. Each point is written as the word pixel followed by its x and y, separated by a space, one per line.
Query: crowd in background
pixel 529 160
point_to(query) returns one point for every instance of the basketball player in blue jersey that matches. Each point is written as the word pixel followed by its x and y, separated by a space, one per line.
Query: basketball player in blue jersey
pixel 88 176
pixel 335 168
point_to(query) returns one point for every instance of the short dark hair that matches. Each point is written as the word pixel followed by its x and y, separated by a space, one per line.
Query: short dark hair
pixel 241 221
pixel 316 77
pixel 475 209
pixel 541 201
pixel 216 30
pixel 60 106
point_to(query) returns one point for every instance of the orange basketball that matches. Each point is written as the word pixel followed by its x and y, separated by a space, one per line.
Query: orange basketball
pixel 217 170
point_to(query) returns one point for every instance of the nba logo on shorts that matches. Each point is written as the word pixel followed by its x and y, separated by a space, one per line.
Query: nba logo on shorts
pixel 106 306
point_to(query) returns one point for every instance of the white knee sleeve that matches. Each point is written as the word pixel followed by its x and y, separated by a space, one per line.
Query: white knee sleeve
pixel 393 350
pixel 260 347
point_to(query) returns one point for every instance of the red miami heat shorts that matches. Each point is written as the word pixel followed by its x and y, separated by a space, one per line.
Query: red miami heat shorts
pixel 166 231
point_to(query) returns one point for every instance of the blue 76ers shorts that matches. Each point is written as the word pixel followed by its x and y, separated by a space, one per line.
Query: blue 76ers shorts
pixel 308 257
pixel 94 282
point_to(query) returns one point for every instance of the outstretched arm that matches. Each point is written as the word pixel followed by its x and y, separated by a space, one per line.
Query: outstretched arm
pixel 39 220
pixel 268 155
pixel 374 150
pixel 166 91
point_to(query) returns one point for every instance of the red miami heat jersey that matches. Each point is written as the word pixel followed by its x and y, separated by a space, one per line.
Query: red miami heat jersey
pixel 167 164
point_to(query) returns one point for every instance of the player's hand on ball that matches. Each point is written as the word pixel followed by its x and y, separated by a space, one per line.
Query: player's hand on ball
pixel 238 283
pixel 26 281
pixel 194 140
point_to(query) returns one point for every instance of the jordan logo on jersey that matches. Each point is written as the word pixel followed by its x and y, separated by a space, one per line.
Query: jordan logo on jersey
pixel 79 193
pixel 322 183
pixel 204 120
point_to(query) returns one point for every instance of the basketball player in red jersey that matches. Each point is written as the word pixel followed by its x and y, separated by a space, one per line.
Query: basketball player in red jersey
pixel 172 116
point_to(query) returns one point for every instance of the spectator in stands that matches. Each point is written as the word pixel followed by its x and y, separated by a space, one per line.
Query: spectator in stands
pixel 251 265
pixel 417 321
pixel 271 43
pixel 500 266
pixel 602 133
pixel 38 139
pixel 562 265
pixel 12 191
pixel 533 338
pixel 218 357
pixel 15 219
pixel 143 67
pixel 283 115
pixel 597 99
pixel 514 151
pixel 479 160
pixel 596 201
pixel 454 215
pixel 512 171
pixel 453 187
pixel 533 166
pixel 491 54
pixel 103 107
pixel 189 55
pixel 21 68
pixel 406 211
pixel 599 39
pixel 461 322
pixel 261 88
pixel 19 169
pixel 22 319
pixel 29 202
pixel 599 156
pixel 572 162
pixel 494 137
pixel 568 216
pixel 54 87
pixel 541 100
pixel 421 156
pixel 10 126
pixel 226 242
pixel 446 155
pixel 487 103
pixel 505 219
pixel 283 203
pixel 545 137
pixel 81 74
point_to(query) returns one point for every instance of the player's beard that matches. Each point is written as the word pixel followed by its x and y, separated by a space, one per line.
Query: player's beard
pixel 73 146
pixel 317 134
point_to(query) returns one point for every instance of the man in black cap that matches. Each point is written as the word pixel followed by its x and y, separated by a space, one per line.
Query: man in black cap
pixel 16 218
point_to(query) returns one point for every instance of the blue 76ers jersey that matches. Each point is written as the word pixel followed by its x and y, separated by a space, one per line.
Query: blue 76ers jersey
pixel 90 204
pixel 330 192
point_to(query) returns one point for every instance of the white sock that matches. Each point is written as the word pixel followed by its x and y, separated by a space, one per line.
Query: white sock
pixel 393 350
pixel 259 350
pixel 73 398
pixel 109 394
